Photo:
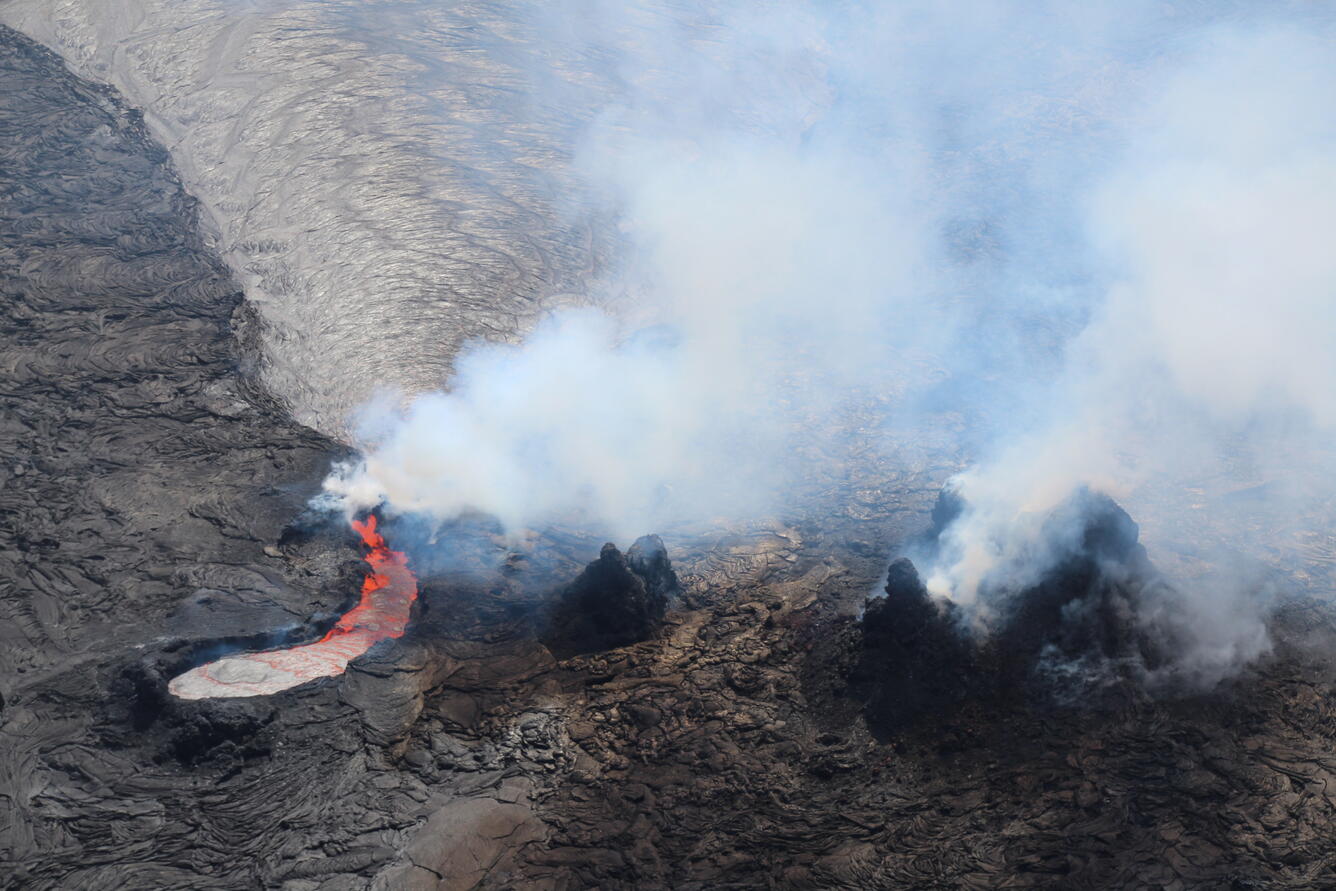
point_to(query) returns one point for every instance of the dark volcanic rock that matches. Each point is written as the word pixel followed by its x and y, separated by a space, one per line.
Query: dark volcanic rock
pixel 142 476
pixel 1074 635
pixel 948 507
pixel 1087 609
pixel 145 486
pixel 648 559
pixel 617 600
pixel 916 656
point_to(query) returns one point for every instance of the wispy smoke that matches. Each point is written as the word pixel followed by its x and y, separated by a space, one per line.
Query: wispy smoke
pixel 764 292
pixel 773 274
pixel 1098 239
pixel 1209 364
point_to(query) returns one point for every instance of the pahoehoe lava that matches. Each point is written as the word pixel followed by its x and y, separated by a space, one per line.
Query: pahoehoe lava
pixel 714 736
pixel 382 613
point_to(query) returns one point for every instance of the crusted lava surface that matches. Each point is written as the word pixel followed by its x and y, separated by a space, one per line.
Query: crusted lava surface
pixel 149 491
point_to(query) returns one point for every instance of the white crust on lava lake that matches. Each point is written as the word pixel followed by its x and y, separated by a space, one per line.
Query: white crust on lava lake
pixel 262 674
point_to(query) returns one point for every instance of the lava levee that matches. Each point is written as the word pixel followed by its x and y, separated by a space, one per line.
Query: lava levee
pixel 387 598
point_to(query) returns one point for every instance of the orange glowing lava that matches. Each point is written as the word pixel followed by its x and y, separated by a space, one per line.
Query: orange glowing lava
pixel 387 599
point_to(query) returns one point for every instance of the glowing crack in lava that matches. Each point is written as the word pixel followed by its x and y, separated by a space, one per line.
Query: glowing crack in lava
pixel 387 597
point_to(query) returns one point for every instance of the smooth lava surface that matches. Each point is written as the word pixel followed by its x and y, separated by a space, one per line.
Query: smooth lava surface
pixel 387 598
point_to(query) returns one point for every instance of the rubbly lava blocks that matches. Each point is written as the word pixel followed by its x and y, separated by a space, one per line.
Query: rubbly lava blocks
pixel 618 599
pixel 188 731
pixel 1078 634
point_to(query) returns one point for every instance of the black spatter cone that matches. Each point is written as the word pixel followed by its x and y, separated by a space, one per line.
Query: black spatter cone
pixel 918 658
pixel 618 599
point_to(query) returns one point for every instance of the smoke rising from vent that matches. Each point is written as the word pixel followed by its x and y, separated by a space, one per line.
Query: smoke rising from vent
pixel 1093 244
pixel 1209 361
pixel 696 412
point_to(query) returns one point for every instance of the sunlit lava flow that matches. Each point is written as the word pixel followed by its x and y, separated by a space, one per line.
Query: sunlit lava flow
pixel 387 598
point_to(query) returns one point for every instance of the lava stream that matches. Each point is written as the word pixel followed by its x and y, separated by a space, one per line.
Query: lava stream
pixel 387 598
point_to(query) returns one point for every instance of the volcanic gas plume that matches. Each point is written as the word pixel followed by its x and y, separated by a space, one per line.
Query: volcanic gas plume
pixel 846 252
pixel 387 598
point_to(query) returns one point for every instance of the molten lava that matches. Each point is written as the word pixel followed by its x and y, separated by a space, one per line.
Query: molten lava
pixel 387 598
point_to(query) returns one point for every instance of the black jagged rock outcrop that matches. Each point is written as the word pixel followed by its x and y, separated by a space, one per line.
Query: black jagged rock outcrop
pixel 618 599
pixel 648 558
pixel 1075 634
pixel 916 656
pixel 1087 607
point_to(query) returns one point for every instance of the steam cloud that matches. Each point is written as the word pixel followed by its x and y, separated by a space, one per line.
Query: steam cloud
pixel 1209 359
pixel 1101 237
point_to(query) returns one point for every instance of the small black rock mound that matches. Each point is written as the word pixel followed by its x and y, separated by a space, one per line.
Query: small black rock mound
pixel 916 657
pixel 648 558
pixel 1083 618
pixel 618 599
pixel 1076 635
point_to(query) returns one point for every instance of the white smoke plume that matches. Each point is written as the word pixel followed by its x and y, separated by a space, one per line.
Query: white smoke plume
pixel 1209 365
pixel 1100 236
pixel 770 272
pixel 694 413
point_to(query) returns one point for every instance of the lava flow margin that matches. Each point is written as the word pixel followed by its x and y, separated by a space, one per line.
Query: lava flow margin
pixel 387 599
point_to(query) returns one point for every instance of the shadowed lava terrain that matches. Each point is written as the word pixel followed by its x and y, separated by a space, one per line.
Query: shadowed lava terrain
pixel 713 736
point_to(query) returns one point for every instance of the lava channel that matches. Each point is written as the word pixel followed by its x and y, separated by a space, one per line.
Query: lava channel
pixel 387 598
